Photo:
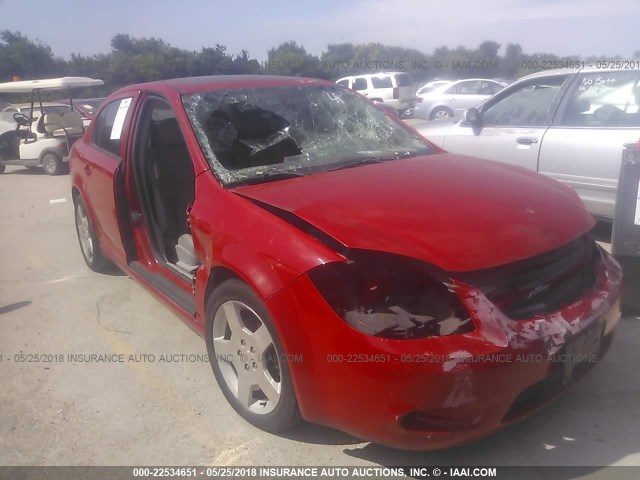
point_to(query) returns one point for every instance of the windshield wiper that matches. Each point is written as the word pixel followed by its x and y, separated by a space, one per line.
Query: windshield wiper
pixel 359 162
pixel 380 159
pixel 264 178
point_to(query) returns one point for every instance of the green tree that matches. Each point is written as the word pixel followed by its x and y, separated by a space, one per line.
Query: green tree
pixel 24 58
pixel 337 60
pixel 512 62
pixel 292 59
pixel 488 50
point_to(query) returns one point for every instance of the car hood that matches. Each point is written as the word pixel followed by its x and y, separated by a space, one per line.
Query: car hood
pixel 456 212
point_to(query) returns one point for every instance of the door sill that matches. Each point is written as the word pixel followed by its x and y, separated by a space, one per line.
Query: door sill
pixel 178 296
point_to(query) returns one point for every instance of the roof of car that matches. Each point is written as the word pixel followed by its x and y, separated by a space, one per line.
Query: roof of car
pixel 475 80
pixel 566 71
pixel 218 82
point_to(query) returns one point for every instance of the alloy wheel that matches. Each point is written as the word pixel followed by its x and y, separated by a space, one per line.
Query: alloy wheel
pixel 84 232
pixel 247 357
pixel 51 164
pixel 441 114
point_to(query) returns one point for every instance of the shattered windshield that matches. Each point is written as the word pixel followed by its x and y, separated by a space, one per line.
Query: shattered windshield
pixel 262 134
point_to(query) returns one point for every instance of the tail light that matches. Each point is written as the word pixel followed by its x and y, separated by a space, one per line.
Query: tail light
pixel 391 297
pixel 419 99
pixel 396 93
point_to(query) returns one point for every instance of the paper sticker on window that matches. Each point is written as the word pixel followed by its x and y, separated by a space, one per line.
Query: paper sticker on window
pixel 118 122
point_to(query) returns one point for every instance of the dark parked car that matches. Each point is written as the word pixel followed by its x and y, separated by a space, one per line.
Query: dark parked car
pixel 86 108
pixel 341 268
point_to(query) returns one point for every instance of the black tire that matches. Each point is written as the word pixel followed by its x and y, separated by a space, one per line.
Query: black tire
pixel 52 164
pixel 441 113
pixel 285 414
pixel 2 168
pixel 94 259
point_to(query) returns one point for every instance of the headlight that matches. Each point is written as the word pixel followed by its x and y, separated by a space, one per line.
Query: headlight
pixel 391 296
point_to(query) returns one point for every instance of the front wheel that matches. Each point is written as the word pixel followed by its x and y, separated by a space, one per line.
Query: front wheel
pixel 52 164
pixel 247 358
pixel 89 245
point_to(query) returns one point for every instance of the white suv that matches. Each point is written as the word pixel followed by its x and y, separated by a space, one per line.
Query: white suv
pixel 395 89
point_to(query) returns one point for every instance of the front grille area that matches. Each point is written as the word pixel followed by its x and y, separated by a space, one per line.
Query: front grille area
pixel 542 284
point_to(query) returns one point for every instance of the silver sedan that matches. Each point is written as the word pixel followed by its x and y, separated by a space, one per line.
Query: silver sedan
pixel 570 125
pixel 453 98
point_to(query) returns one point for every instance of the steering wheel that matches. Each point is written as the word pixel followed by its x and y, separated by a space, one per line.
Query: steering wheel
pixel 21 119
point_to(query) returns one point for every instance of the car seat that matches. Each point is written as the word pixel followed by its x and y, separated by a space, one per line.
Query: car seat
pixel 172 181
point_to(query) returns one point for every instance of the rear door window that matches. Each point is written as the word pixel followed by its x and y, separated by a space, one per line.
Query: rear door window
pixel 489 88
pixel 107 131
pixel 609 99
pixel 381 82
pixel 403 80
pixel 464 88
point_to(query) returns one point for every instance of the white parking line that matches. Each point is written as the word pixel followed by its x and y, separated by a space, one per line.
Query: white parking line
pixel 58 200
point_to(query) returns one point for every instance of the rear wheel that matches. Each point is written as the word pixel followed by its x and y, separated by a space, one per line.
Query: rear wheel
pixel 89 245
pixel 246 357
pixel 2 168
pixel 52 164
pixel 441 113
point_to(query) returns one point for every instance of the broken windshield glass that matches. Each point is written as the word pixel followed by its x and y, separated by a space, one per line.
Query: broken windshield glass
pixel 252 135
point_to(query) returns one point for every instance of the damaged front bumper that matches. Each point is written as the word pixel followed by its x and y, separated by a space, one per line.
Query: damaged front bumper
pixel 438 392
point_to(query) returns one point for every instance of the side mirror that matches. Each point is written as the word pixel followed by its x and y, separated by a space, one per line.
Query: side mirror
pixel 473 117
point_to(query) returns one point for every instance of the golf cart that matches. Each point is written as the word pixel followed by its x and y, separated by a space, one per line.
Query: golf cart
pixel 37 136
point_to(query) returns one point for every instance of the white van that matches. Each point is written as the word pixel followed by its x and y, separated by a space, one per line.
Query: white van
pixel 395 89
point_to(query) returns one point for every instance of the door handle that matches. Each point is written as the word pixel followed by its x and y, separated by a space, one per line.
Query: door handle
pixel 526 140
pixel 87 170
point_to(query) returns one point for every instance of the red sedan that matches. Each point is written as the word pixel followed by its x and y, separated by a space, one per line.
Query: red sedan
pixel 341 268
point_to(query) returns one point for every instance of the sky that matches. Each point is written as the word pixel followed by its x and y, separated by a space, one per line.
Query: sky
pixel 563 27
